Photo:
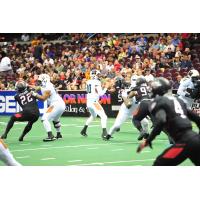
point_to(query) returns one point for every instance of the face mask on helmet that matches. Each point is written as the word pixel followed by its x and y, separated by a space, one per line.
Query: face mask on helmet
pixel 193 73
pixel 94 74
pixel 43 79
pixel 20 86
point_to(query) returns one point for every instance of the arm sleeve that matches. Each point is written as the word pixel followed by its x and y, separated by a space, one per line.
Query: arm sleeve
pixel 160 119
pixel 181 90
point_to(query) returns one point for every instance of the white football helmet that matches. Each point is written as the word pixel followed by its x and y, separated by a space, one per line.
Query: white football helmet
pixel 193 73
pixel 43 79
pixel 133 80
pixel 94 74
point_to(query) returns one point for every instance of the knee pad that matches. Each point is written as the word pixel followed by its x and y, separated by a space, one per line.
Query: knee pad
pixel 56 124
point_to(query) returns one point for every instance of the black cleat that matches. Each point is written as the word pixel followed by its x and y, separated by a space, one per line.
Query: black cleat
pixel 59 136
pixel 49 139
pixel 84 130
pixel 117 130
pixel 143 136
pixel 107 137
pixel 21 139
pixel 104 134
pixel 3 136
pixel 83 133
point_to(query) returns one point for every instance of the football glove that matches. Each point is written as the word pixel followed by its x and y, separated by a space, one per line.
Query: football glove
pixel 34 93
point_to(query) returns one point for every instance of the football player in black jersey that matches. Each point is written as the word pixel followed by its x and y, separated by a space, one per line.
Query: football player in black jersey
pixel 171 114
pixel 131 99
pixel 30 111
pixel 141 93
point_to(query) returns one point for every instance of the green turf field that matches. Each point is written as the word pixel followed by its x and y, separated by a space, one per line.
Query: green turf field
pixel 75 149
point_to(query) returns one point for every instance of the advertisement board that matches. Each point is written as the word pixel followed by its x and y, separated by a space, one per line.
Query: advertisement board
pixel 9 106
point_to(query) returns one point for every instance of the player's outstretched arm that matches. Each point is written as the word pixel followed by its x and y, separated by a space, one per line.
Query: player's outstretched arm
pixel 36 88
pixel 43 97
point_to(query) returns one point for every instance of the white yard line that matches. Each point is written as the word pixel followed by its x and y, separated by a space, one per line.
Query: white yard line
pixel 22 157
pixel 89 126
pixel 72 146
pixel 24 144
pixel 48 159
pixel 77 146
pixel 117 150
pixel 116 162
pixel 146 151
pixel 71 161
pixel 68 125
pixel 93 148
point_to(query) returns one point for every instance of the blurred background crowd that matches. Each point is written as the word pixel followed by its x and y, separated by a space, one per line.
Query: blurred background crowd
pixel 69 58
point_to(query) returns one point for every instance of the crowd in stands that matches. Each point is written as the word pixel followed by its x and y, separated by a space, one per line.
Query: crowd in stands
pixel 69 58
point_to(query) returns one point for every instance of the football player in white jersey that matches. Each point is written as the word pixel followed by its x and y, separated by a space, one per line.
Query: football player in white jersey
pixel 186 84
pixel 56 106
pixel 94 91
pixel 128 107
pixel 5 156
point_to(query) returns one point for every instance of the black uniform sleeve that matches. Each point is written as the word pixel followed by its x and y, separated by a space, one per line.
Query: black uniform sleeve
pixel 160 120
pixel 193 117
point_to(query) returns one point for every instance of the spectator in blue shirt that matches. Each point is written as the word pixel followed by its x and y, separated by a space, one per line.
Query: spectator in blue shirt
pixel 185 62
pixel 176 40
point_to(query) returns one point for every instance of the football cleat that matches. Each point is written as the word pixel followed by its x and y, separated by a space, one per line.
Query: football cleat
pixel 117 130
pixel 49 139
pixel 104 134
pixel 59 136
pixel 107 137
pixel 3 136
pixel 83 133
pixel 21 139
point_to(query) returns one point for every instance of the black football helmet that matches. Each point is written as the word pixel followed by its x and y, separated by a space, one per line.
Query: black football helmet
pixel 160 86
pixel 140 81
pixel 20 86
